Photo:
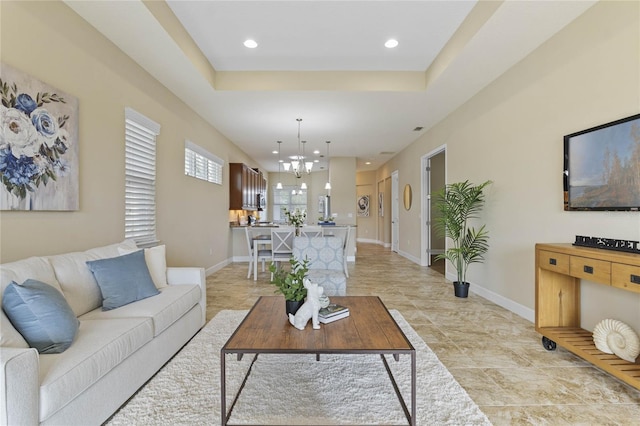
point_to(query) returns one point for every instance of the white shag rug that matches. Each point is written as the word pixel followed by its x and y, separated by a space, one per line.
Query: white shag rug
pixel 297 389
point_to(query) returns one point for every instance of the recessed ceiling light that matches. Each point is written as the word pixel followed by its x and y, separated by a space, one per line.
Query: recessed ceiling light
pixel 251 44
pixel 367 163
pixel 391 43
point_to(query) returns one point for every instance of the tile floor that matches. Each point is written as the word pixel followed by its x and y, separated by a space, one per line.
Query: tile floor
pixel 494 354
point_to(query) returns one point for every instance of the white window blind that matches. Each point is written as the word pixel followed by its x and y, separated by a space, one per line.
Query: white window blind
pixel 140 178
pixel 201 164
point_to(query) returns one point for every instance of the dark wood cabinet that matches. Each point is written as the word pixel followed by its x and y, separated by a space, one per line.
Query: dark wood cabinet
pixel 247 187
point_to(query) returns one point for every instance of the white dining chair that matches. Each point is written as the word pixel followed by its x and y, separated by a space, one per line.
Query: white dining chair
pixel 311 231
pixel 282 244
pixel 256 254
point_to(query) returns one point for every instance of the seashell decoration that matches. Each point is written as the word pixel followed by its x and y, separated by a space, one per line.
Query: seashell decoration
pixel 615 337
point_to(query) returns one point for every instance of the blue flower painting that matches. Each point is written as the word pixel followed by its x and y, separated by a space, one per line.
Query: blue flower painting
pixel 38 145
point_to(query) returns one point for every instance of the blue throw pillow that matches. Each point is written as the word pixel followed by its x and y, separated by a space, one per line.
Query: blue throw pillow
pixel 41 314
pixel 123 280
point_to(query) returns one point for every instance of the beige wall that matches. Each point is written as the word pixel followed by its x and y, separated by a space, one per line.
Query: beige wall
pixel 511 133
pixel 64 51
pixel 367 226
pixel 343 190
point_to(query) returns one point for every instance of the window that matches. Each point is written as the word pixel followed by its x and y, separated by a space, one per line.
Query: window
pixel 282 198
pixel 140 178
pixel 201 164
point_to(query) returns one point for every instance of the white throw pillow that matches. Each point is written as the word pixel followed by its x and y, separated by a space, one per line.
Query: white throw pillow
pixel 156 260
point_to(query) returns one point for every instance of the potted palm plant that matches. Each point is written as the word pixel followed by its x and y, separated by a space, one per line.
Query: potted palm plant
pixel 456 204
pixel 291 283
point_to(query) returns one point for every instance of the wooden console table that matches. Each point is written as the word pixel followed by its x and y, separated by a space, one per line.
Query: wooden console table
pixel 559 269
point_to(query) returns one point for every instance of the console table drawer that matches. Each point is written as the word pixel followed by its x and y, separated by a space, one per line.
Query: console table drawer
pixel 590 269
pixel 626 277
pixel 556 262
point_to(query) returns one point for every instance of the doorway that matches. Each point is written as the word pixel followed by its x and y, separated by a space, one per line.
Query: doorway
pixel 433 181
pixel 395 221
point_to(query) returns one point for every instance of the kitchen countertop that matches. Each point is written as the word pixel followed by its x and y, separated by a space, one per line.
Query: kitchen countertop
pixel 275 225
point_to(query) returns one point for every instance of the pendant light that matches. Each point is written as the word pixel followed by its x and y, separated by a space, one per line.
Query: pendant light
pixel 304 184
pixel 298 166
pixel 328 184
pixel 279 185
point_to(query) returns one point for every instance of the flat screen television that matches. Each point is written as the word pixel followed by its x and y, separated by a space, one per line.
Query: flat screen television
pixel 602 167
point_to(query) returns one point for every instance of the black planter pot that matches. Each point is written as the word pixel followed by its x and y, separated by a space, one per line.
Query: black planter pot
pixel 292 306
pixel 461 289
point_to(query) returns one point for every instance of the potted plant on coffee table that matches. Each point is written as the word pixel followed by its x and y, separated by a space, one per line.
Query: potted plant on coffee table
pixel 456 204
pixel 291 282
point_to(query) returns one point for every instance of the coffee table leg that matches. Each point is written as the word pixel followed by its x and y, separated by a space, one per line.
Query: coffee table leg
pixel 223 393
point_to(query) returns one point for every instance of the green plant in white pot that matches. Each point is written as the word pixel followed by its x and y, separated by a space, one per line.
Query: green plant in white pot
pixel 291 282
pixel 456 204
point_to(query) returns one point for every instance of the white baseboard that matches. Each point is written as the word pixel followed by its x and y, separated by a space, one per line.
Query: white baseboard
pixel 410 257
pixel 516 308
pixel 378 242
pixel 215 268
pixel 367 241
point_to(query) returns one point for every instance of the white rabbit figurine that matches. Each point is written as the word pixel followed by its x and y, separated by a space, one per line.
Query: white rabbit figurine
pixel 309 309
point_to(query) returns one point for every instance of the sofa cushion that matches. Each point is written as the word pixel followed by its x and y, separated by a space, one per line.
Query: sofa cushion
pixel 36 268
pixel 123 279
pixel 156 262
pixel 76 280
pixel 99 347
pixel 41 314
pixel 164 309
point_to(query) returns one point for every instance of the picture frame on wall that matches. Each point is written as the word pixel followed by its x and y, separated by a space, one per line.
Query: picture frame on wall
pixel 381 204
pixel 39 160
pixel 363 205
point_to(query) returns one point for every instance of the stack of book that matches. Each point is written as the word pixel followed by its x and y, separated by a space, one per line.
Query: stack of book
pixel 332 313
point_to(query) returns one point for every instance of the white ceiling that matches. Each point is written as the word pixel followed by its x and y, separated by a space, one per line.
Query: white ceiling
pixel 324 62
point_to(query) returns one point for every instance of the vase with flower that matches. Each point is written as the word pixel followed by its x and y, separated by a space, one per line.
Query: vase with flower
pixel 295 218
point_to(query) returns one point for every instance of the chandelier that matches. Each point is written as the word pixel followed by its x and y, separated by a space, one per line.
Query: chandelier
pixel 298 166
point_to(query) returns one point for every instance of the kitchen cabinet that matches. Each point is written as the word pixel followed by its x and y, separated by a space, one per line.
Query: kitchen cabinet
pixel 247 187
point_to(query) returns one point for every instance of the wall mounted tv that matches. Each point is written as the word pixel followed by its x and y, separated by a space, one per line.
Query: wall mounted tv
pixel 602 167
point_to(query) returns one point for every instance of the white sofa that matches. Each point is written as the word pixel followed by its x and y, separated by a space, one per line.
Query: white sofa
pixel 114 352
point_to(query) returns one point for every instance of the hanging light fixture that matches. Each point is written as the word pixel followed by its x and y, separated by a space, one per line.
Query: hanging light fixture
pixel 279 185
pixel 298 166
pixel 328 184
pixel 304 184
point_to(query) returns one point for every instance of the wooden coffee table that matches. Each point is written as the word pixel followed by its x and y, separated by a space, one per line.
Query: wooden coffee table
pixel 369 329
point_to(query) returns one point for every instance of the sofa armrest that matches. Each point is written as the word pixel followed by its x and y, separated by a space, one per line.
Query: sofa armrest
pixel 19 386
pixel 186 275
pixel 190 275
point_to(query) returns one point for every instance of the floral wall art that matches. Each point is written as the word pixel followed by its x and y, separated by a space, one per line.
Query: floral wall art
pixel 38 144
